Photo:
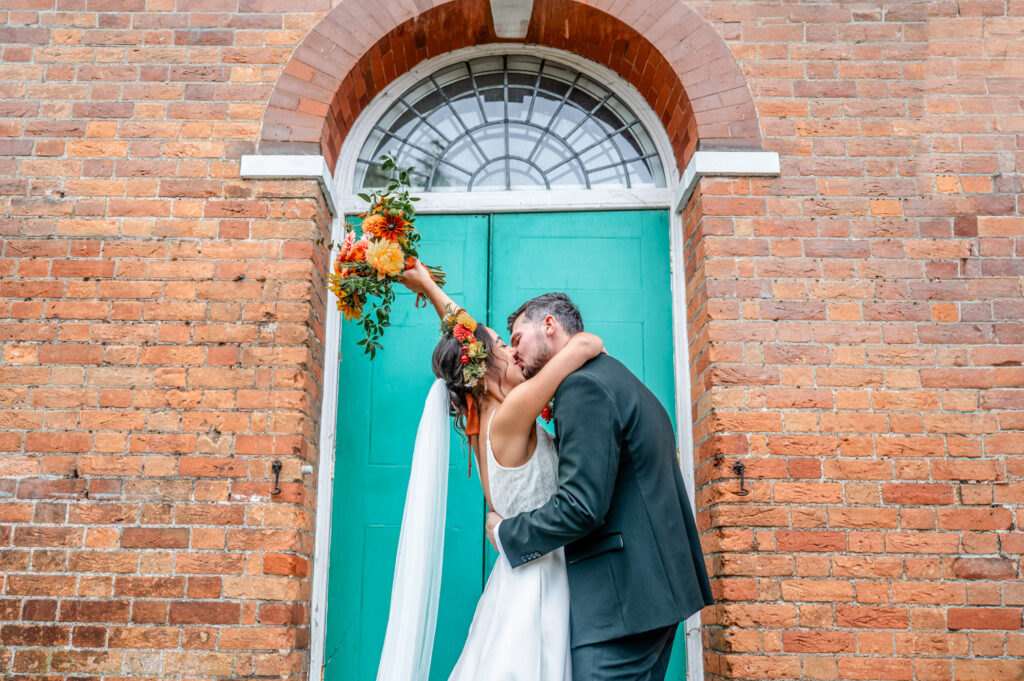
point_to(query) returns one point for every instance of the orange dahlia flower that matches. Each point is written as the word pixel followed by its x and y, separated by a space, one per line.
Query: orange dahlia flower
pixel 373 224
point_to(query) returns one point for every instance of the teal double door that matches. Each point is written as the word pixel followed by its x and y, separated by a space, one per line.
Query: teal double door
pixel 615 265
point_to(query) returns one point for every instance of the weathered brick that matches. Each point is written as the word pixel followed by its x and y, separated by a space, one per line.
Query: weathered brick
pixel 154 538
pixel 984 618
pixel 200 612
pixel 34 635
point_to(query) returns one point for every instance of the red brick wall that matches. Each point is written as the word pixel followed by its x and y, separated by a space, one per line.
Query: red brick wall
pixel 855 330
pixel 153 369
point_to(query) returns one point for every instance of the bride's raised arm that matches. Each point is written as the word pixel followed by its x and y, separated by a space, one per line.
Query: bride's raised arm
pixel 418 280
pixel 527 400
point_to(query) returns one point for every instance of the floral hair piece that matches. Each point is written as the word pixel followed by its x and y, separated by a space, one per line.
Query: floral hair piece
pixel 461 326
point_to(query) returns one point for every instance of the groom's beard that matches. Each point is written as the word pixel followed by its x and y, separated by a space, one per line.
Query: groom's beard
pixel 530 370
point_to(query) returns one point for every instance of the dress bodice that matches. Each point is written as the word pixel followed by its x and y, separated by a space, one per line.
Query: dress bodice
pixel 525 487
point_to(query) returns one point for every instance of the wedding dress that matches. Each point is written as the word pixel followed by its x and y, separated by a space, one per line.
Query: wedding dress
pixel 520 630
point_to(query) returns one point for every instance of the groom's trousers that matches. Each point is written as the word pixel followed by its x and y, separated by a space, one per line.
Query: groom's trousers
pixel 640 657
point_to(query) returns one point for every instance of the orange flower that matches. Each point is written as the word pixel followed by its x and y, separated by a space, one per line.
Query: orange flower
pixel 348 301
pixel 350 305
pixel 395 227
pixel 339 271
pixel 345 253
pixel 373 225
pixel 358 252
pixel 386 257
pixel 467 321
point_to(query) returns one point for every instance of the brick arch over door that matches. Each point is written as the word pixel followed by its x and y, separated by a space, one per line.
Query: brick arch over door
pixel 666 50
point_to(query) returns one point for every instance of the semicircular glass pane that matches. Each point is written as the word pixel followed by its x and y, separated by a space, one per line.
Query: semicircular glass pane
pixel 512 122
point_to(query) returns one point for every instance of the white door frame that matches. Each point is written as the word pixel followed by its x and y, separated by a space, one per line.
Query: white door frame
pixel 341 199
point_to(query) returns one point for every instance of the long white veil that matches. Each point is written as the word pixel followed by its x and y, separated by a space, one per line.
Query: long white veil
pixel 416 589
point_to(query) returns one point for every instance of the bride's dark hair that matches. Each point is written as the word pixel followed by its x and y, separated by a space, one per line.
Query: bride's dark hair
pixel 447 366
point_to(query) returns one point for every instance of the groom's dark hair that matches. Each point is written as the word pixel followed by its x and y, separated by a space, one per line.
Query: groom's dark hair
pixel 558 305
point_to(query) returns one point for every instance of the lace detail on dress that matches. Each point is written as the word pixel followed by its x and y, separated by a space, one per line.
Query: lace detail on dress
pixel 526 487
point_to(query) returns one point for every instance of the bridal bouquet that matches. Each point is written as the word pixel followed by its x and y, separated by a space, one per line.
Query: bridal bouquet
pixel 368 266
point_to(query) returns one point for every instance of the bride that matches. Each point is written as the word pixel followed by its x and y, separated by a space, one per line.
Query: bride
pixel 520 630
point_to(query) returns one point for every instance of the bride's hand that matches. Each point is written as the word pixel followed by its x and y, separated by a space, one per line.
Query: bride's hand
pixel 416 279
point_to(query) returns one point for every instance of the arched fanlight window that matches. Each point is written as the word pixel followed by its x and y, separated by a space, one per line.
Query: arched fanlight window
pixel 512 122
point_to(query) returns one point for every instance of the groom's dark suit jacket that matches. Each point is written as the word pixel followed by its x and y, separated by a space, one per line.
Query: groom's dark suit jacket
pixel 621 511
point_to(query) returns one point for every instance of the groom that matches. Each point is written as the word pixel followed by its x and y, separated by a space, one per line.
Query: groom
pixel 633 556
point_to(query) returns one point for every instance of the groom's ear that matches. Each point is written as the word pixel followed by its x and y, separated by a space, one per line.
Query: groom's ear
pixel 551 325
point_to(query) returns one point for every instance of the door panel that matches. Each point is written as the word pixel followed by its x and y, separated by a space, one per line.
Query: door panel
pixel 379 408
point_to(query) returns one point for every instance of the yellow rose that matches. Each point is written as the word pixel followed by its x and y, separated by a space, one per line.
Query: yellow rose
pixel 386 257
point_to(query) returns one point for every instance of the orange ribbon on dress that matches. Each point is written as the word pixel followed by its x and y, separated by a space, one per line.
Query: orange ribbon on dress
pixel 472 427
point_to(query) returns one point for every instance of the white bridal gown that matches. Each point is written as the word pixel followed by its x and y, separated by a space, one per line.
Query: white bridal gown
pixel 520 630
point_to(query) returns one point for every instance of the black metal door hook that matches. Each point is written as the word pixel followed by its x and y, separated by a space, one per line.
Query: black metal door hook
pixel 276 467
pixel 739 468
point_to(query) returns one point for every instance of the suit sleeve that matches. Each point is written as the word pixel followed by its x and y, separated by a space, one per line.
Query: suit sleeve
pixel 589 437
